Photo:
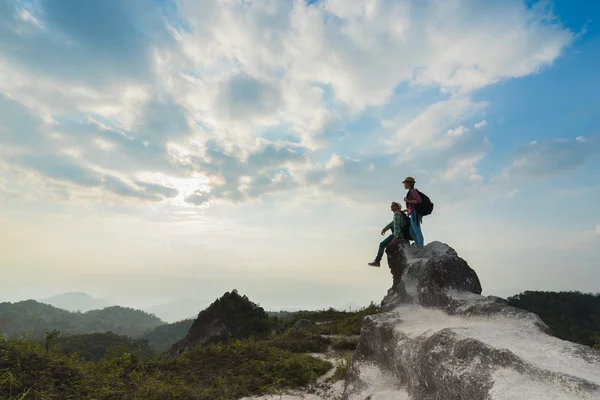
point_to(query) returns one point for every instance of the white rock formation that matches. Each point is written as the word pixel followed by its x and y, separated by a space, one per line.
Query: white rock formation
pixel 437 338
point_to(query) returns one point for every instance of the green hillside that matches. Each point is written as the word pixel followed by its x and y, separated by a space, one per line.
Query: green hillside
pixel 572 316
pixel 163 337
pixel 94 346
pixel 33 318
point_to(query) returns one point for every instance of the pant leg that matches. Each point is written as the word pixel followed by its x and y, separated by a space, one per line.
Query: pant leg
pixel 415 229
pixel 382 247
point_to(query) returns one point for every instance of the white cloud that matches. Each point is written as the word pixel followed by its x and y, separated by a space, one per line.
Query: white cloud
pixel 551 157
pixel 26 16
pixel 436 126
pixel 365 53
pixel 290 73
pixel 481 124
pixel 511 194
pixel 461 130
pixel 466 167
pixel 581 240
pixel 104 144
pixel 334 162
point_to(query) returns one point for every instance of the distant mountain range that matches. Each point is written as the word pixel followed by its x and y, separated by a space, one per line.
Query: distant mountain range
pixel 76 301
pixel 168 312
pixel 33 318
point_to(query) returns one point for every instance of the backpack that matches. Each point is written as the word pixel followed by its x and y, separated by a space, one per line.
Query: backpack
pixel 425 207
pixel 406 230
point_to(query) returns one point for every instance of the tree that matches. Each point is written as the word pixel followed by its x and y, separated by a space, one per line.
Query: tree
pixel 572 316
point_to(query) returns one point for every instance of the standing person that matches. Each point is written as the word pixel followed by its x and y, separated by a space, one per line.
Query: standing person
pixel 397 226
pixel 412 199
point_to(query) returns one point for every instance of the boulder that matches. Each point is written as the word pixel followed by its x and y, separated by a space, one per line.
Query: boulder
pixel 303 324
pixel 437 338
pixel 198 337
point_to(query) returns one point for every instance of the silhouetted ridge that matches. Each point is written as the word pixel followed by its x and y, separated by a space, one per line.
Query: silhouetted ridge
pixel 231 316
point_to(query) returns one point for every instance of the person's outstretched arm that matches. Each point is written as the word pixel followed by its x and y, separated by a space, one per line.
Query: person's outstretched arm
pixel 387 228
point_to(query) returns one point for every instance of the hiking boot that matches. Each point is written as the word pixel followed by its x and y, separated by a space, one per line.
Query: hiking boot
pixel 375 264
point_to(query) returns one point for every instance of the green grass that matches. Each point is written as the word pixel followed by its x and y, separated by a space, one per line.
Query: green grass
pixel 345 344
pixel 59 368
pixel 332 322
pixel 341 368
pixel 8 380
pixel 93 346
pixel 301 341
pixel 32 370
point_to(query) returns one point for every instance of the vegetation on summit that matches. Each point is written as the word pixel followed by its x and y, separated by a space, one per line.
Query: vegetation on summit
pixel 572 316
pixel 242 317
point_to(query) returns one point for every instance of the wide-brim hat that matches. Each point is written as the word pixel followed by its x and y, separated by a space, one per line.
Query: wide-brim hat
pixel 409 179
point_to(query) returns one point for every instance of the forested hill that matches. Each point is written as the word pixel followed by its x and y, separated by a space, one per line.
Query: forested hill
pixel 572 316
pixel 32 317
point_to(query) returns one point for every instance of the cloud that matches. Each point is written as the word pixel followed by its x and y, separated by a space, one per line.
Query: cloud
pixel 461 130
pixel 73 171
pixel 247 99
pixel 272 154
pixel 269 168
pixel 95 43
pixel 580 240
pixel 437 126
pixel 198 198
pixel 326 58
pixel 161 120
pixel 118 186
pixel 62 169
pixel 552 157
pixel 481 124
pixel 244 98
pixel 161 190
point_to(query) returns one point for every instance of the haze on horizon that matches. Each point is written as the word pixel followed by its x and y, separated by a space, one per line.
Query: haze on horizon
pixel 153 151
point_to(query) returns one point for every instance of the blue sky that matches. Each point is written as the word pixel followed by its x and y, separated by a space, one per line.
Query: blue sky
pixel 156 150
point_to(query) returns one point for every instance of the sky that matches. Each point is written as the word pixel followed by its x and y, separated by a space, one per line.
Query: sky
pixel 159 150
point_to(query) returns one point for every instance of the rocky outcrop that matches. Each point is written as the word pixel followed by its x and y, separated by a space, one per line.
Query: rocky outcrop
pixel 303 324
pixel 437 338
pixel 231 316
pixel 200 336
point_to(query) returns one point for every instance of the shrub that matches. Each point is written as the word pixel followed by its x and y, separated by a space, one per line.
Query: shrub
pixel 342 366
pixel 348 324
pixel 345 344
pixel 301 341
pixel 93 346
pixel 216 372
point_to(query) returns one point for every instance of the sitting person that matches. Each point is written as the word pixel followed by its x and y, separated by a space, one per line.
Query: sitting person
pixel 400 230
